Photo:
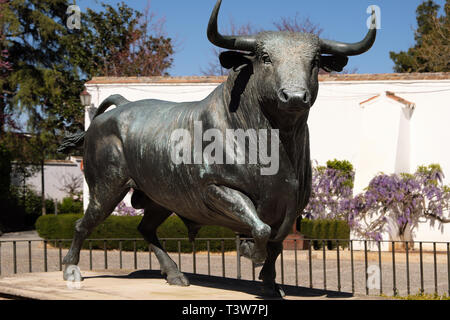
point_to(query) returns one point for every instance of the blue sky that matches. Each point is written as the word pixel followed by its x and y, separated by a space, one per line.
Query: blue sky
pixel 186 22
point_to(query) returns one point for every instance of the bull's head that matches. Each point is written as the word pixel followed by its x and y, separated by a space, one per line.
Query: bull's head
pixel 286 63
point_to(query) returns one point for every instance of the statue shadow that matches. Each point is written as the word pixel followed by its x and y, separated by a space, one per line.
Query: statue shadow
pixel 245 286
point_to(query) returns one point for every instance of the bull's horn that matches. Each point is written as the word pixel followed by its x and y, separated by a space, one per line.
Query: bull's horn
pixel 243 43
pixel 351 49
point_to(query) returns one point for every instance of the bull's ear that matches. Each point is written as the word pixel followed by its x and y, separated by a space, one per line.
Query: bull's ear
pixel 333 62
pixel 234 59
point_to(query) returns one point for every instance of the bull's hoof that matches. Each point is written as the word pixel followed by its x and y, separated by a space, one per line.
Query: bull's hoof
pixel 72 273
pixel 178 280
pixel 273 291
pixel 249 251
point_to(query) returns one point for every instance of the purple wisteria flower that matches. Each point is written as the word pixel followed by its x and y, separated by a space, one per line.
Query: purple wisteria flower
pixel 123 210
pixel 332 191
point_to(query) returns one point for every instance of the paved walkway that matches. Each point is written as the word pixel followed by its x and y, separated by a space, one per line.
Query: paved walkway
pixel 147 285
pixel 23 235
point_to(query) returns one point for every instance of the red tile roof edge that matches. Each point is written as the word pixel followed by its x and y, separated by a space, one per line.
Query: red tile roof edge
pixel 322 78
pixel 392 96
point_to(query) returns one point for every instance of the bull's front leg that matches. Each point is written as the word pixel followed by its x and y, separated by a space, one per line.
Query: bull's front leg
pixel 268 273
pixel 238 206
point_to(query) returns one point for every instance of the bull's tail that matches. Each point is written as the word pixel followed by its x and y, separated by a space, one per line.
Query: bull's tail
pixel 72 141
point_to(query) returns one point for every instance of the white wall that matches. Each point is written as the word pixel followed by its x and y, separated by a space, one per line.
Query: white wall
pixel 55 175
pixel 369 136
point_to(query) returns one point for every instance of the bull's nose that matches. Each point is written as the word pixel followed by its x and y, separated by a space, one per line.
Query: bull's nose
pixel 295 98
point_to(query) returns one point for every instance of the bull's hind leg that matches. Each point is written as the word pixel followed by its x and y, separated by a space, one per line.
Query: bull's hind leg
pixel 101 205
pixel 108 184
pixel 154 216
pixel 238 206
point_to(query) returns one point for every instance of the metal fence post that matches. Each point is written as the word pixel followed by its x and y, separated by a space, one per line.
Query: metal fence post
pixel 338 266
pixel 179 254
pixel 60 255
pixel 150 257
pixel 421 268
pixel 135 255
pixel 393 270
pixel 29 257
pixel 194 258
pixel 282 266
pixel 90 255
pixel 296 262
pixel 448 267
pixel 238 256
pixel 366 265
pixel 324 259
pixel 310 265
pixel 106 254
pixel 435 269
pixel 352 266
pixel 209 257
pixel 408 287
pixel 380 267
pixel 120 255
pixel 222 247
pixel 253 271
pixel 45 256
pixel 15 256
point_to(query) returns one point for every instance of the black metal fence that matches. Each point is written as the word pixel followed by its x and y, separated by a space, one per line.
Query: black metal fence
pixel 356 266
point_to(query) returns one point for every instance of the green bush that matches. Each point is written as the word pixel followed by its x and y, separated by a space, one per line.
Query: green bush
pixel 342 232
pixel 326 229
pixel 69 205
pixel 344 167
pixel 51 227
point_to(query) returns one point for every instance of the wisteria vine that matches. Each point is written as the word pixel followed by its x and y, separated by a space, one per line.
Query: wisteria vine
pixel 391 203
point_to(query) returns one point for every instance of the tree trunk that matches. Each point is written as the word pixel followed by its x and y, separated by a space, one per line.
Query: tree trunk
pixel 403 237
pixel 44 211
pixel 2 115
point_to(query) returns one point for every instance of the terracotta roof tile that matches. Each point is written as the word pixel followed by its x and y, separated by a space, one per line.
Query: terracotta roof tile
pixel 322 78
pixel 370 99
pixel 169 80
pixel 392 96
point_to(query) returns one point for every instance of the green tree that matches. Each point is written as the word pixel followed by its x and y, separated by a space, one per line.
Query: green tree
pixel 5 67
pixel 41 81
pixel 41 77
pixel 48 64
pixel 431 52
pixel 122 42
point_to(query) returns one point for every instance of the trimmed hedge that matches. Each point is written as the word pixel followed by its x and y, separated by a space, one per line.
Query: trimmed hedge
pixel 69 205
pixel 326 229
pixel 51 227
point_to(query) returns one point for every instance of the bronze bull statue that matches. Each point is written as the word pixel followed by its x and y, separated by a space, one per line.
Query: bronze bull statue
pixel 272 85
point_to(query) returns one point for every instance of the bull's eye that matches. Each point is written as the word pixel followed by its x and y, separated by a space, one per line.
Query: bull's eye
pixel 316 63
pixel 266 58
